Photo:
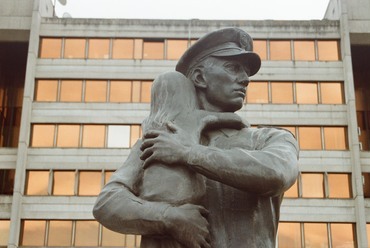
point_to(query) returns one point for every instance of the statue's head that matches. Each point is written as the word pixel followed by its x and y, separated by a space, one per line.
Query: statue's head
pixel 230 43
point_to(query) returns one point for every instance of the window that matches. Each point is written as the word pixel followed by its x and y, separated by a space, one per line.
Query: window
pixel 257 92
pixel 120 91
pixel 312 185
pixel 328 50
pixel 331 93
pixel 280 50
pixel 282 92
pixel 46 90
pixel 289 235
pixel 123 49
pixel 33 233
pixel 6 182
pixel 306 93
pixel 304 50
pixel 138 49
pixel 71 91
pixel 93 136
pixel 74 48
pixel 310 138
pixel 145 91
pixel 153 49
pixel 42 135
pixel 335 138
pixel 60 233
pixel 118 136
pixel 315 235
pixel 260 47
pixel 292 192
pixel 64 183
pixel 339 185
pixel 89 183
pixel 110 238
pixel 50 48
pixel 176 48
pixel 37 183
pixel 98 49
pixel 87 233
pixel 96 91
pixel 68 135
pixel 4 232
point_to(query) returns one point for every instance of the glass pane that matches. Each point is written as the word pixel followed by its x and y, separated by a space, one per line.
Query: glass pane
pixel 335 138
pixel 306 93
pixel 50 48
pixel 89 183
pixel 257 92
pixel 316 235
pixel 60 233
pixel 136 91
pixel 131 241
pixel 331 93
pixel 368 231
pixel 64 183
pixel 98 49
pixel 33 233
pixel 108 174
pixel 292 192
pixel 71 91
pixel 339 185
pixel 290 129
pixel 282 92
pixel 328 50
pixel 118 136
pixel 68 135
pixel 93 136
pixel 74 48
pixel 342 235
pixel 260 47
pixel 146 87
pixel 96 91
pixel 120 91
pixel 153 50
pixel 4 232
pixel 312 185
pixel 138 49
pixel 289 235
pixel 37 183
pixel 135 134
pixel 46 90
pixel 42 135
pixel 110 238
pixel 176 48
pixel 87 233
pixel 123 49
pixel 304 50
pixel 310 138
pixel 280 50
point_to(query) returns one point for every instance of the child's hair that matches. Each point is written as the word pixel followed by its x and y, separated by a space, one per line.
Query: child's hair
pixel 172 93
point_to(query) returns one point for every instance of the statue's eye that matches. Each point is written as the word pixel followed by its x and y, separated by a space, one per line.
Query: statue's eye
pixel 232 67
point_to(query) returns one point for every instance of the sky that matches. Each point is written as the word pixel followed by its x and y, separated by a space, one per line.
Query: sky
pixel 195 9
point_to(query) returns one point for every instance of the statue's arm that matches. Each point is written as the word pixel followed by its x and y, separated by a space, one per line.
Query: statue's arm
pixel 269 169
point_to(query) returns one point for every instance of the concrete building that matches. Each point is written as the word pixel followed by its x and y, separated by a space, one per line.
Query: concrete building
pixel 74 91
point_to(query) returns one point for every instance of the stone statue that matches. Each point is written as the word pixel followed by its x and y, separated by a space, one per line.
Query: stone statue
pixel 201 176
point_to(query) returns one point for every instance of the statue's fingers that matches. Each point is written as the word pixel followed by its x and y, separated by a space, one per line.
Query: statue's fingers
pixel 146 143
pixel 172 127
pixel 146 154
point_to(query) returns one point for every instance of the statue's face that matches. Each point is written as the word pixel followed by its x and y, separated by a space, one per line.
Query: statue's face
pixel 226 81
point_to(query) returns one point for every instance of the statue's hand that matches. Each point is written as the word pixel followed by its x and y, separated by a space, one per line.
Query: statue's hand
pixel 166 147
pixel 188 225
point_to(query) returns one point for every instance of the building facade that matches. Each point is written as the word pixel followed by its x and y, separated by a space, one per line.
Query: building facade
pixel 74 91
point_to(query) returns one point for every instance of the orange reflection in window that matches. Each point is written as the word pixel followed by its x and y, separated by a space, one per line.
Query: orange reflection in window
pixel 339 185
pixel 98 49
pixel 328 50
pixel 50 48
pixel 292 192
pixel 135 134
pixel 342 235
pixel 136 91
pixel 312 185
pixel 60 233
pixel 123 49
pixel 33 233
pixel 4 232
pixel 71 91
pixel 64 183
pixel 42 135
pixel 96 91
pixel 93 136
pixel 306 93
pixel 46 90
pixel 110 238
pixel 310 138
pixel 107 176
pixel 260 47
pixel 87 233
pixel 138 49
pixel 37 183
pixel 145 91
pixel 257 92
pixel 335 138
pixel 74 48
pixel 331 93
pixel 120 91
pixel 289 235
pixel 316 235
pixel 89 183
pixel 304 50
pixel 280 50
pixel 281 92
pixel 175 48
pixel 153 50
pixel 68 135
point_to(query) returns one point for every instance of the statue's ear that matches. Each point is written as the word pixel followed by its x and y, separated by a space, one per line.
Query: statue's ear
pixel 198 79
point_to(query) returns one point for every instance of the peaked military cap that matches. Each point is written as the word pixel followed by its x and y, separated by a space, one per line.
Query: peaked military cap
pixel 226 42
